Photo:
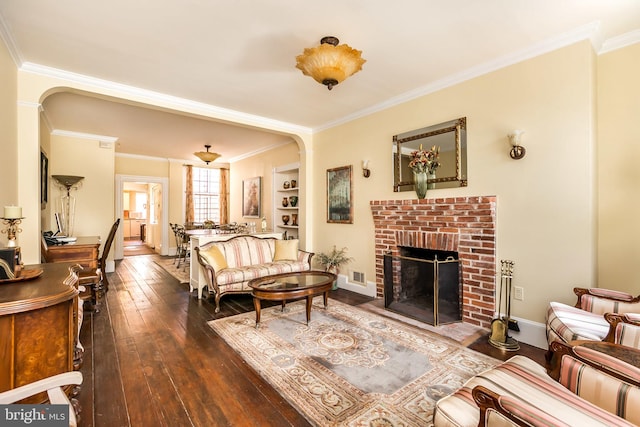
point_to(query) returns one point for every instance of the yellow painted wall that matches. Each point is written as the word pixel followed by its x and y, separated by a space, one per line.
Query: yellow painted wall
pixel 259 165
pixel 618 169
pixel 545 212
pixel 8 132
pixel 45 147
pixel 95 201
pixel 141 166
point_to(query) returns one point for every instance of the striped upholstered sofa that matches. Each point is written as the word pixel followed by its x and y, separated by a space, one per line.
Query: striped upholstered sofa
pixel 599 315
pixel 585 388
pixel 230 265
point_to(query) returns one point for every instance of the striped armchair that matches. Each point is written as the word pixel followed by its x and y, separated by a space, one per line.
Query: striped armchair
pixel 599 315
pixel 586 388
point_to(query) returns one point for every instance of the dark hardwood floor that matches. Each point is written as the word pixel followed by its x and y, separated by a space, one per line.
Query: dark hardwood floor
pixel 151 360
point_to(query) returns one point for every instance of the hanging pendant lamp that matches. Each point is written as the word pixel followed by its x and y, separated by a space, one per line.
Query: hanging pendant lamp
pixel 330 63
pixel 207 156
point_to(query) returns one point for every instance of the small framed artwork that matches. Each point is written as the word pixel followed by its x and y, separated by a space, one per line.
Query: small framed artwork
pixel 252 197
pixel 44 180
pixel 339 195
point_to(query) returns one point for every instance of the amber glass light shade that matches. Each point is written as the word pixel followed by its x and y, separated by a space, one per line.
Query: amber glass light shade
pixel 207 156
pixel 330 63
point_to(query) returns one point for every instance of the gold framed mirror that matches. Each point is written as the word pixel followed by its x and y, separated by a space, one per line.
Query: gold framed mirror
pixel 451 137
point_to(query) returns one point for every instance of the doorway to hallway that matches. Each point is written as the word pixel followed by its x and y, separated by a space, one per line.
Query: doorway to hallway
pixel 141 202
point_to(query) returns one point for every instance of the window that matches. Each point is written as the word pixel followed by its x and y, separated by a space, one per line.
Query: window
pixel 206 195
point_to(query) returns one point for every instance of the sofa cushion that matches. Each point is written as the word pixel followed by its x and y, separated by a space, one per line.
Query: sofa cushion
pixel 247 250
pixel 245 274
pixel 601 389
pixel 566 323
pixel 214 258
pixel 286 250
pixel 526 381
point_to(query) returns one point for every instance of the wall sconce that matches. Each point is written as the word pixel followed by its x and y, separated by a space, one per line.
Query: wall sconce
pixel 366 172
pixel 517 151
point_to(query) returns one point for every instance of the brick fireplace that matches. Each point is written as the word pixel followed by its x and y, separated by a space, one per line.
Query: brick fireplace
pixel 466 225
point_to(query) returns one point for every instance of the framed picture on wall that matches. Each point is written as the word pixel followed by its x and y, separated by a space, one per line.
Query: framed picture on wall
pixel 252 197
pixel 339 195
pixel 44 180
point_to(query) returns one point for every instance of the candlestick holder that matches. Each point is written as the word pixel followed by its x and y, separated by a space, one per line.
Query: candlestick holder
pixel 12 230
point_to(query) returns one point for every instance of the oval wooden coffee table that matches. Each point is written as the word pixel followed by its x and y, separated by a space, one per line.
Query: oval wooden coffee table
pixel 290 286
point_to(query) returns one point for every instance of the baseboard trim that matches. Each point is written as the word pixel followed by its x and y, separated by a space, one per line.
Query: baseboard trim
pixel 532 333
pixel 368 290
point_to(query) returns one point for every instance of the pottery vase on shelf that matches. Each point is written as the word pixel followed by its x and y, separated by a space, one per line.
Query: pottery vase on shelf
pixel 293 201
pixel 285 202
pixel 293 183
pixel 294 219
pixel 285 219
pixel 286 185
pixel 420 182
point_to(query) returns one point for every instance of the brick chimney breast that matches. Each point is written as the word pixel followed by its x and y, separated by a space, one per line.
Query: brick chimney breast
pixel 466 225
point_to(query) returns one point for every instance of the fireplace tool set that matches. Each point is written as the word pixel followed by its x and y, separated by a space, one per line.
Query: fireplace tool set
pixel 499 337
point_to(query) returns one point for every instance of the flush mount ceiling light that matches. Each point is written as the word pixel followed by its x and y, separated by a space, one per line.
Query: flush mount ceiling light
pixel 207 156
pixel 330 63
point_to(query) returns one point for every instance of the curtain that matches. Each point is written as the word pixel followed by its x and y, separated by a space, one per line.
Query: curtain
pixel 188 214
pixel 224 196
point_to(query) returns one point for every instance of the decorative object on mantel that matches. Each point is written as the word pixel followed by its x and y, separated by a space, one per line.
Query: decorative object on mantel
pixel 285 202
pixel 517 151
pixel 330 63
pixel 286 185
pixel 293 183
pixel 293 201
pixel 294 219
pixel 499 337
pixel 207 156
pixel 333 260
pixel 67 203
pixel 12 218
pixel 424 164
pixel 285 219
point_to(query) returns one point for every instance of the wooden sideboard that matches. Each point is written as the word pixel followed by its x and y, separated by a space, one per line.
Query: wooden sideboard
pixel 83 251
pixel 38 326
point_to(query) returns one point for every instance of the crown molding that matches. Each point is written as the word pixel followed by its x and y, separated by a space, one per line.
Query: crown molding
pixel 256 152
pixel 620 41
pixel 218 164
pixel 156 98
pixel 586 32
pixel 81 135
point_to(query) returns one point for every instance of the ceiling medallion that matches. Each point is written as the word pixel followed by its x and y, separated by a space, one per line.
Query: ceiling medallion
pixel 330 63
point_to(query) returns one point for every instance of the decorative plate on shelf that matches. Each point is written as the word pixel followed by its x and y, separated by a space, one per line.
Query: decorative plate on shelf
pixel 24 275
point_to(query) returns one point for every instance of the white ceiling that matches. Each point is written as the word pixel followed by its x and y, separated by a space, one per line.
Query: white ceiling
pixel 240 55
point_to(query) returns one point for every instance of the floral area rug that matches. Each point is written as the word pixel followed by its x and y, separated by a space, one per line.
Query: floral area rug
pixel 169 264
pixel 351 367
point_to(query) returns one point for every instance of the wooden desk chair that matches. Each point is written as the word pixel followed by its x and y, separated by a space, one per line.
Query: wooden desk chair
pixel 96 278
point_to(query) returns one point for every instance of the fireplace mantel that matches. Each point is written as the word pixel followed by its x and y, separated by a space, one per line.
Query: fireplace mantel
pixel 466 225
